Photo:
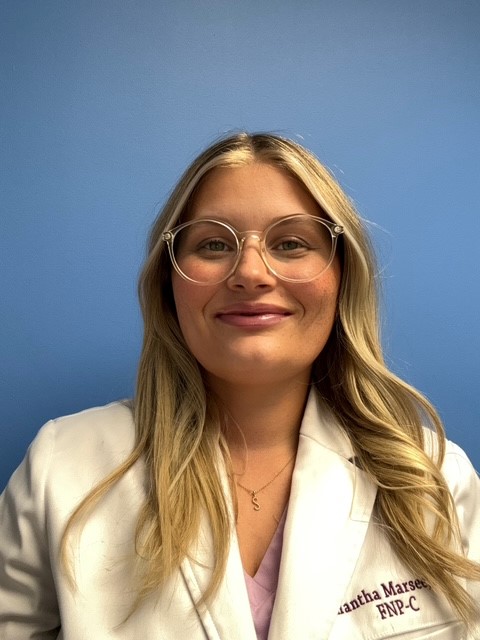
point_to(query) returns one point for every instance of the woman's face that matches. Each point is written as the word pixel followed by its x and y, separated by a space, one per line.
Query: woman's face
pixel 254 328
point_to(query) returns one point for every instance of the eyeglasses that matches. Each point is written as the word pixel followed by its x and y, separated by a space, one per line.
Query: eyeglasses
pixel 297 248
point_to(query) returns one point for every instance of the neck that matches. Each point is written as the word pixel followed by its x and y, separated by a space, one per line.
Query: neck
pixel 262 418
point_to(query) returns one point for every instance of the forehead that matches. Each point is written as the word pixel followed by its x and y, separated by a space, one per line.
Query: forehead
pixel 252 193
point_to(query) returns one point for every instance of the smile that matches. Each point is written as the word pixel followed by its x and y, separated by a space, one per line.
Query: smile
pixel 253 318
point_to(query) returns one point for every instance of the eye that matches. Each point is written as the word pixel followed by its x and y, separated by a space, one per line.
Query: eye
pixel 215 248
pixel 215 245
pixel 205 240
pixel 289 247
pixel 290 244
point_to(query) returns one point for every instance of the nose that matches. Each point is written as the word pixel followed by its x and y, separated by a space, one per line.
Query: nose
pixel 251 271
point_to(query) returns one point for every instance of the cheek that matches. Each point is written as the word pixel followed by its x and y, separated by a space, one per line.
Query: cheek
pixel 320 297
pixel 190 301
pixel 320 308
pixel 185 304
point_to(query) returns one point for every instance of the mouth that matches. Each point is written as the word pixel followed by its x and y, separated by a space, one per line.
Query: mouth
pixel 253 317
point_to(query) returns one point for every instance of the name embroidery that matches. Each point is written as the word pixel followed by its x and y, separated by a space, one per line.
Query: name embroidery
pixel 392 607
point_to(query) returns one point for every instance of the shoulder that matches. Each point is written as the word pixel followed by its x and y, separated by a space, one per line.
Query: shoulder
pixel 71 454
pixel 101 434
pixel 456 465
pixel 464 484
pixel 461 476
pixel 66 460
pixel 109 427
pixel 100 431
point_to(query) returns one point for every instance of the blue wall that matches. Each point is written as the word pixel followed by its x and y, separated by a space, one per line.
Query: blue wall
pixel 104 102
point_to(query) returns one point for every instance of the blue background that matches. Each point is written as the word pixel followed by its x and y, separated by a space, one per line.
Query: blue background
pixel 104 102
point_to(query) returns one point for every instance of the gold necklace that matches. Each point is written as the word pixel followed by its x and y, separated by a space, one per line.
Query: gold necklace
pixel 254 492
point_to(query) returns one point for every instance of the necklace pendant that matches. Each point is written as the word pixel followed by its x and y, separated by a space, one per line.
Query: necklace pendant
pixel 256 506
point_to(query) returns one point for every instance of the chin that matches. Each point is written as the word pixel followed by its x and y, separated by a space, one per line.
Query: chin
pixel 258 371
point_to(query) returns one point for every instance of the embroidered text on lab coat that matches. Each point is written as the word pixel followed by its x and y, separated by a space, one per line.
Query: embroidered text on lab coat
pixel 390 599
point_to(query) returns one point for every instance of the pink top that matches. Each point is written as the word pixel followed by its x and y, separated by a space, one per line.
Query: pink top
pixel 262 588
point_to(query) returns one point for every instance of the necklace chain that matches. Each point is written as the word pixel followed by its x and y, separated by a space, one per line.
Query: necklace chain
pixel 254 492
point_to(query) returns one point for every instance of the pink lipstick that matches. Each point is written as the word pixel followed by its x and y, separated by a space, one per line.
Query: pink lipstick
pixel 253 316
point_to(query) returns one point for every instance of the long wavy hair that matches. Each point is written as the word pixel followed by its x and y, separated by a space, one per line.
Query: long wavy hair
pixel 179 431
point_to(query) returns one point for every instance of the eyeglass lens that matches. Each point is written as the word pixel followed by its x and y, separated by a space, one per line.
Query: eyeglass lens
pixel 297 248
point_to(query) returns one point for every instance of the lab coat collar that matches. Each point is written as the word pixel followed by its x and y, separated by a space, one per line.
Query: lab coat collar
pixel 330 505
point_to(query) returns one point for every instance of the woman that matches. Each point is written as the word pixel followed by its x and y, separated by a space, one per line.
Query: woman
pixel 272 476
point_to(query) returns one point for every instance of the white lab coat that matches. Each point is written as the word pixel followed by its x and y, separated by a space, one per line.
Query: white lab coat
pixel 338 577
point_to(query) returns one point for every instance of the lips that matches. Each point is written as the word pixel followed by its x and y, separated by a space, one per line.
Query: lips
pixel 253 316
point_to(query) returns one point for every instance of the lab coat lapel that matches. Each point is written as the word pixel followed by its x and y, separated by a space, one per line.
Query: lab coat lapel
pixel 330 506
pixel 228 615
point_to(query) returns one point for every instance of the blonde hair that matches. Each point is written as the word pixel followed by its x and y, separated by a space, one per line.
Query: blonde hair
pixel 178 428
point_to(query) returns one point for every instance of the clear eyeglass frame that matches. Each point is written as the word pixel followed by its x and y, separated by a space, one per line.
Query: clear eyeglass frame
pixel 240 236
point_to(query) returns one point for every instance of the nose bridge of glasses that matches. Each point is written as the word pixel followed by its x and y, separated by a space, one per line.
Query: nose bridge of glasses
pixel 248 241
pixel 250 233
pixel 256 236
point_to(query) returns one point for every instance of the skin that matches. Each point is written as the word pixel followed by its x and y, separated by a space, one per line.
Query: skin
pixel 258 365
